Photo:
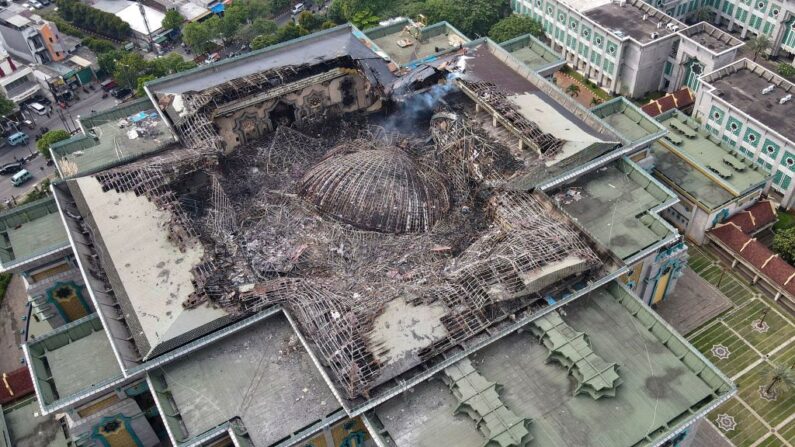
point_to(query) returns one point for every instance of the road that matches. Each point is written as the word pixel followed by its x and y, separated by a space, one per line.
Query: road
pixel 37 166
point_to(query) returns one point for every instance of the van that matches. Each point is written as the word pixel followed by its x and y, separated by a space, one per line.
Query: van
pixel 37 108
pixel 17 139
pixel 21 177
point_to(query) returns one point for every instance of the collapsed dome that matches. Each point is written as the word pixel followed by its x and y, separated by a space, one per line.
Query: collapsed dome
pixel 380 189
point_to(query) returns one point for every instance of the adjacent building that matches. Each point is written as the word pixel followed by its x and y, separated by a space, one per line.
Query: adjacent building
pixel 29 37
pixel 17 81
pixel 628 47
pixel 749 108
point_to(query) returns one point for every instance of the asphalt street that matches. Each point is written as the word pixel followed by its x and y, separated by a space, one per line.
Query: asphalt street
pixel 38 167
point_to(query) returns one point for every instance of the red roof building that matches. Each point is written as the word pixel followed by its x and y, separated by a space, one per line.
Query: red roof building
pixel 15 385
pixel 680 99
pixel 755 218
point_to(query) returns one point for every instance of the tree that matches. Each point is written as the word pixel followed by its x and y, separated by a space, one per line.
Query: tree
pixel 264 40
pixel 780 374
pixel 758 44
pixel 784 244
pixel 514 26
pixel 309 21
pixel 573 90
pixel 365 19
pixel 786 70
pixel 139 91
pixel 173 20
pixel 474 17
pixel 6 105
pixel 702 14
pixel 328 24
pixel 197 36
pixel 50 138
pixel 595 101
pixel 128 69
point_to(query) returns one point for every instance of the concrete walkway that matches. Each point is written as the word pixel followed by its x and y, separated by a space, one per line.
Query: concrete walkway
pixel 693 302
pixel 11 311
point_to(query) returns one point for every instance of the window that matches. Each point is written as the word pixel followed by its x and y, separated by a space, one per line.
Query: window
pixel 770 149
pixel 611 49
pixel 549 10
pixel 734 127
pixel 760 5
pixel 598 40
pixel 50 39
pixel 790 162
pixel 751 137
pixel 538 3
pixel 716 115
pixel 585 33
pixel 774 12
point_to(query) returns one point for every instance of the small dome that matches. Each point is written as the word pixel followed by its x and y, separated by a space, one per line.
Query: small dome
pixel 382 190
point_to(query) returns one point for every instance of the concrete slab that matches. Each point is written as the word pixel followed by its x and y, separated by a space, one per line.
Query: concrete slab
pixel 75 367
pixel 693 302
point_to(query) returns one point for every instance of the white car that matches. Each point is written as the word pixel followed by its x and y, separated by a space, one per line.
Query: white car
pixel 36 4
pixel 298 8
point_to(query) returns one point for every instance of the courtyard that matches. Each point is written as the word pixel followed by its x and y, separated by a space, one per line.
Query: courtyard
pixel 744 343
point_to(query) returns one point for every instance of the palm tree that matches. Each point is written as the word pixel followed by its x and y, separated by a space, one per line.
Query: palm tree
pixel 759 44
pixel 703 14
pixel 780 374
pixel 595 101
pixel 573 90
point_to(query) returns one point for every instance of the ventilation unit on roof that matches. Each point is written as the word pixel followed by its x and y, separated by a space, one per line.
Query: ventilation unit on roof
pixel 659 25
pixel 768 89
pixel 785 99
pixel 645 16
pixel 672 27
pixel 654 35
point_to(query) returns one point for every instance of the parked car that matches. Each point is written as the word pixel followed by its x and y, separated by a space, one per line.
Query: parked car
pixel 38 108
pixel 36 4
pixel 120 93
pixel 108 85
pixel 10 168
pixel 17 139
pixel 43 100
pixel 298 8
pixel 21 177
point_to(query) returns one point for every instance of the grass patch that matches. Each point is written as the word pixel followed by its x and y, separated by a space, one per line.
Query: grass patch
pixel 748 428
pixel 774 412
pixel 5 279
pixel 778 332
pixel 741 355
pixel 785 220
pixel 598 92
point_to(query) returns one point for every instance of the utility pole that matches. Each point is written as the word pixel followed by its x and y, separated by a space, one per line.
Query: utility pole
pixel 146 25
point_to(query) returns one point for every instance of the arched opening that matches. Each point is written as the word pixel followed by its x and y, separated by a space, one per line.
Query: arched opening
pixel 282 114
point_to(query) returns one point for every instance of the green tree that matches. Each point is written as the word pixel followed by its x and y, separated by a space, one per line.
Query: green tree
pixel 784 244
pixel 474 17
pixel 173 20
pixel 365 19
pixel 264 40
pixel 758 45
pixel 573 90
pixel 328 24
pixel 197 36
pixel 786 70
pixel 309 21
pixel 50 138
pixel 128 69
pixel 139 91
pixel 780 374
pixel 6 105
pixel 515 25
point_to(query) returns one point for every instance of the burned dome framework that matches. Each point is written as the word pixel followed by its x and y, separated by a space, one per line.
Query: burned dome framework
pixel 338 230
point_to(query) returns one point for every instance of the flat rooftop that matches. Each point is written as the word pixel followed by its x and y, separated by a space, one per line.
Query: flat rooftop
pixel 119 133
pixel 152 276
pixel 532 52
pixel 613 204
pixel 78 356
pixel 628 20
pixel 711 37
pixel 665 382
pixel 343 40
pixel 27 428
pixel 261 375
pixel 741 84
pixel 631 123
pixel 405 43
pixel 726 168
pixel 31 230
